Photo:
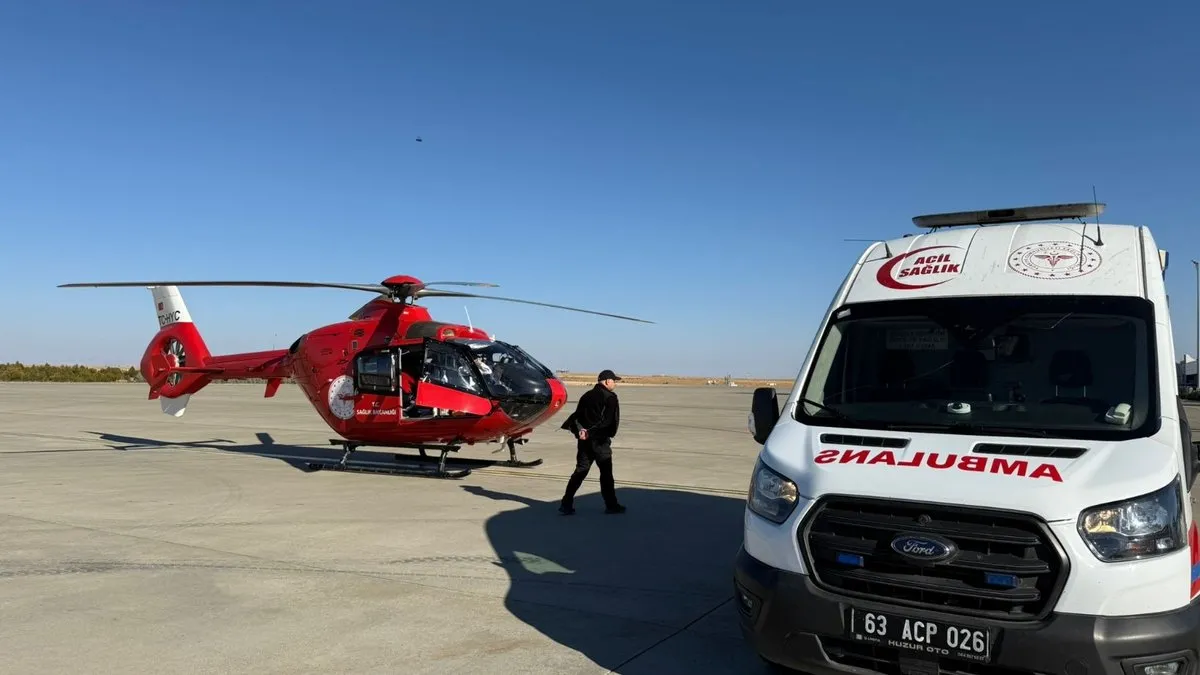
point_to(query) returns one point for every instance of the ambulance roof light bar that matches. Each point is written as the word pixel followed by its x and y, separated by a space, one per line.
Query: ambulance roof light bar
pixel 1021 214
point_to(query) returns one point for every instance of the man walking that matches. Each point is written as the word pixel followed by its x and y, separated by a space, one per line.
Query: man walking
pixel 594 424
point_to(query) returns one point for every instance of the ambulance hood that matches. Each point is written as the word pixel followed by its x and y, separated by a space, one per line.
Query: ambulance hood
pixel 950 469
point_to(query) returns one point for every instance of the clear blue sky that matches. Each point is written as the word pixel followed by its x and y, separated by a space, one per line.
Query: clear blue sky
pixel 741 142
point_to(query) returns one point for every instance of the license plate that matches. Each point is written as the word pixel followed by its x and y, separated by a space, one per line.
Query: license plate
pixel 935 638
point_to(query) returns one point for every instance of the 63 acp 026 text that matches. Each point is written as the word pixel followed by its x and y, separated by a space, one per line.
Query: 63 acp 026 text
pixel 934 638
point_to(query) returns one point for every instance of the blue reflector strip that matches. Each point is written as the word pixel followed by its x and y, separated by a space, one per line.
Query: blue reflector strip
pixel 850 559
pixel 1002 580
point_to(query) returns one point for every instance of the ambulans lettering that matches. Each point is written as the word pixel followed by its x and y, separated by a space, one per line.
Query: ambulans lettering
pixel 938 460
pixel 921 268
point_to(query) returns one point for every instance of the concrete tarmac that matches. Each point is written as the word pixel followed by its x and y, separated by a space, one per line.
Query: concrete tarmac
pixel 137 542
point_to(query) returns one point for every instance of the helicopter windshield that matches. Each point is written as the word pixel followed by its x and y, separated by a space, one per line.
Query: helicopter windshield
pixel 507 371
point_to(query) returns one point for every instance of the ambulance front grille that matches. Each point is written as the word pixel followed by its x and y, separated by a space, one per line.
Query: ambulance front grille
pixel 1007 565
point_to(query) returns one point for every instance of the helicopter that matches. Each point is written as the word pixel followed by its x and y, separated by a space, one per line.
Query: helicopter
pixel 388 376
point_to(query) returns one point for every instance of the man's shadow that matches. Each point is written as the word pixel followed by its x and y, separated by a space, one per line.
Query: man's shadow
pixel 647 591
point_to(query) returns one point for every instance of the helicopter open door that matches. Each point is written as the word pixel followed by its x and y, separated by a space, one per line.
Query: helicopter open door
pixel 379 396
pixel 449 382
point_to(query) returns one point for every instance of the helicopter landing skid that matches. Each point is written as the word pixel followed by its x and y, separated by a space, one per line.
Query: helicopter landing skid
pixel 349 447
pixel 513 461
pixel 512 455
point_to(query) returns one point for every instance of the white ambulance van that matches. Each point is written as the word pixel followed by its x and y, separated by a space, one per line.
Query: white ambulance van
pixel 983 465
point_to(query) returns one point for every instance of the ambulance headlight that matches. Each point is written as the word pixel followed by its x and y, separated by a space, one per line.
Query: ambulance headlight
pixel 1142 527
pixel 772 495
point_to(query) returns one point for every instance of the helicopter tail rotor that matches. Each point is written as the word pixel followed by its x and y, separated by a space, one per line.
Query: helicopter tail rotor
pixel 174 362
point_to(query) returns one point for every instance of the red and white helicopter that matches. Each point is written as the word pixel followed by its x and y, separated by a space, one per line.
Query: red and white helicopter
pixel 389 376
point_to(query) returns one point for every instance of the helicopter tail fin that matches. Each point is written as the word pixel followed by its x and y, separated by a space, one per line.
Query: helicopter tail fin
pixel 169 305
pixel 175 362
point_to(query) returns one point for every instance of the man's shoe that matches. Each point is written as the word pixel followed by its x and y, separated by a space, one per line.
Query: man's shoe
pixel 619 508
pixel 567 510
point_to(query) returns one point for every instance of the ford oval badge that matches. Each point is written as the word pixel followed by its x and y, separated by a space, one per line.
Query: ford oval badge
pixel 924 548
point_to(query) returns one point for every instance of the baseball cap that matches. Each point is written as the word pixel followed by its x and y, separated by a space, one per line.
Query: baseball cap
pixel 607 375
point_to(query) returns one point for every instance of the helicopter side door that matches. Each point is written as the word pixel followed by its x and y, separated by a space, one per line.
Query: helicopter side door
pixel 377 383
pixel 449 382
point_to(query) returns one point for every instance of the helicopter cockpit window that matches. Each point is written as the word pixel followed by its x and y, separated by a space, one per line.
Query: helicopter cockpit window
pixel 376 372
pixel 508 371
pixel 448 367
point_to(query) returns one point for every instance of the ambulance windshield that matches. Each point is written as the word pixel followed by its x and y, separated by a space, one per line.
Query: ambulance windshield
pixel 1056 366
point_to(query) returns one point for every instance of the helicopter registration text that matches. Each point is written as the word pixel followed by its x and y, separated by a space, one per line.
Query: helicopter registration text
pixel 167 318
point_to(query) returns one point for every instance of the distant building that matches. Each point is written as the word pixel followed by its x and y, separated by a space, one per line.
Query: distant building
pixel 1185 372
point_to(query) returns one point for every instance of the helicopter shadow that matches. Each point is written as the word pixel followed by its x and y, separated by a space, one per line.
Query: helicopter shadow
pixel 647 591
pixel 296 456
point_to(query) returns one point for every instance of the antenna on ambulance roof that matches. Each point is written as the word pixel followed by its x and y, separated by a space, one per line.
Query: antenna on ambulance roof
pixel 1099 238
pixel 1083 232
pixel 886 250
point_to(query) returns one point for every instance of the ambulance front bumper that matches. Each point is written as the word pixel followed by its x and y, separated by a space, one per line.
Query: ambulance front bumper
pixel 791 622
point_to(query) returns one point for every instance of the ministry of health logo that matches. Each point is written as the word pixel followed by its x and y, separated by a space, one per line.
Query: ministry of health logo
pixel 1054 260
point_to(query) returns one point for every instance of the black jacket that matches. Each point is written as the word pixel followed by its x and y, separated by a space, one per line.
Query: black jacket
pixel 598 411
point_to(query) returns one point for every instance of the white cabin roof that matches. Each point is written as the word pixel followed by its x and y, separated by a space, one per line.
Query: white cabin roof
pixel 1008 259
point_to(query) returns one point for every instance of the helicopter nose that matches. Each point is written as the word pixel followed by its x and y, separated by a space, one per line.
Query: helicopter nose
pixel 558 395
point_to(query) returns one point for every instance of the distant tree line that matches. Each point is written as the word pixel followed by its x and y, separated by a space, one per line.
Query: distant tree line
pixel 20 372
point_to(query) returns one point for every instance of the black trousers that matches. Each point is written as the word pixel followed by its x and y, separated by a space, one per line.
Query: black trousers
pixel 586 453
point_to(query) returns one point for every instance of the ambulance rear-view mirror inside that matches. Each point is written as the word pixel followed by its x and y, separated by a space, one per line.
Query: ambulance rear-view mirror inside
pixel 1012 348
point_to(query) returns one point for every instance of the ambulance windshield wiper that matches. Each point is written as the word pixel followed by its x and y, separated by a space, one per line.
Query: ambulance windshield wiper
pixel 836 413
pixel 968 426
pixel 1006 431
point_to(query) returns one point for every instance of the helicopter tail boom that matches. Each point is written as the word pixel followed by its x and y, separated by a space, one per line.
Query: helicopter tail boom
pixel 177 362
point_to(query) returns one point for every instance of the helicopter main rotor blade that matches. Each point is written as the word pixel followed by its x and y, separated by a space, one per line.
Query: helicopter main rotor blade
pixel 481 284
pixel 456 294
pixel 422 292
pixel 371 288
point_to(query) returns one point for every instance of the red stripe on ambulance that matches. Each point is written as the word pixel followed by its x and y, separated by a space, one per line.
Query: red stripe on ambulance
pixel 1194 546
pixel 937 460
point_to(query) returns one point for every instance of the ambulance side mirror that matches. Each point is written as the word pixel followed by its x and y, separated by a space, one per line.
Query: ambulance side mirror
pixel 764 413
